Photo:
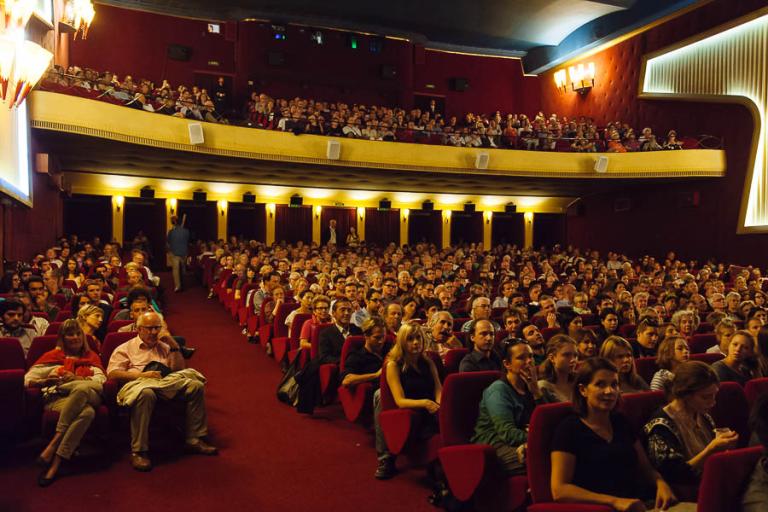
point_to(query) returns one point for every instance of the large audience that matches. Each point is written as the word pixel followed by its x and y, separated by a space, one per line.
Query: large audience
pixel 558 325
pixel 368 122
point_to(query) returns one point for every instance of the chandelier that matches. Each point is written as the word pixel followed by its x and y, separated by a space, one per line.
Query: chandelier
pixel 17 13
pixel 22 64
pixel 79 14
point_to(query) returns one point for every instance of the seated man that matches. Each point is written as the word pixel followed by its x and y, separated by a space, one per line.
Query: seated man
pixel 647 339
pixel 127 363
pixel 483 358
pixel 11 323
pixel 139 306
pixel 481 310
pixel 41 300
pixel 139 293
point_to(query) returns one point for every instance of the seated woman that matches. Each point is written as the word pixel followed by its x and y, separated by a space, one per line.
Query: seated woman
pixel 672 352
pixel 414 383
pixel 71 377
pixel 619 352
pixel 609 323
pixel 686 322
pixel 739 365
pixel 559 368
pixel 723 333
pixel 507 405
pixel 305 297
pixel 72 272
pixel 273 303
pixel 596 456
pixel 682 435
pixel 410 305
pixel 90 318
pixel 586 344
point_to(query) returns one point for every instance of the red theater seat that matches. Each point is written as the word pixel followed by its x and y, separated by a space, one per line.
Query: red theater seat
pixel 53 328
pixel 725 477
pixel 549 332
pixel 754 389
pixel 115 325
pixel 706 358
pixel 40 345
pixel 356 400
pixel 283 344
pixel 472 469
pixel 453 359
pixel 732 410
pixel 699 343
pixel 646 368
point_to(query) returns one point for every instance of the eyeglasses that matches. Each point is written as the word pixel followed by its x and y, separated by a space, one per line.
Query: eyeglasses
pixel 151 327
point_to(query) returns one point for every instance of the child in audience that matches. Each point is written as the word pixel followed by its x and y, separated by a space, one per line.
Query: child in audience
pixel 619 352
pixel 672 352
pixel 739 365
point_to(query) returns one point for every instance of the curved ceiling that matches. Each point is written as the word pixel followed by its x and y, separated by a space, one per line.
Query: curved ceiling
pixel 508 27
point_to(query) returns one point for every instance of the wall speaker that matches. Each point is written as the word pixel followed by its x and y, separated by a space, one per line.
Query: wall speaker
pixel 385 205
pixel 601 164
pixel 196 133
pixel 249 198
pixel 147 192
pixel 199 196
pixel 510 208
pixel 333 152
pixel 296 201
pixel 179 52
pixel 459 84
pixel 428 206
pixel 481 160
pixel 276 58
pixel 469 207
pixel 388 72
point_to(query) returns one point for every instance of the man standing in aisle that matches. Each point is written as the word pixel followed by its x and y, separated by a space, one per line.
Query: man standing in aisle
pixel 178 243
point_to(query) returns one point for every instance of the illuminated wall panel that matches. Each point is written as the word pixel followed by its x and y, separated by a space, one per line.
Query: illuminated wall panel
pixel 728 64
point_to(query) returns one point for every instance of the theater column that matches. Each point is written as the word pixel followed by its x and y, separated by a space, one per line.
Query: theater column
pixel 361 223
pixel 221 213
pixel 118 218
pixel 528 240
pixel 446 238
pixel 317 210
pixel 270 213
pixel 487 234
pixel 404 214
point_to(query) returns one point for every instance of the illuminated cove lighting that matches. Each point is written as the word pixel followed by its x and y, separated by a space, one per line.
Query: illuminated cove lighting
pixel 729 66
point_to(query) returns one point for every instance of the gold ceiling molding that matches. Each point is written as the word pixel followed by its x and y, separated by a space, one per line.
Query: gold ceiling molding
pixel 70 114
pixel 728 64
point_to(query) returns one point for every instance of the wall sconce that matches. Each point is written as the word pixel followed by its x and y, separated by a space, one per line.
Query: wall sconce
pixel 582 77
pixel 360 212
pixel 318 211
pixel 271 210
pixel 119 202
pixel 447 215
pixel 222 207
pixel 406 213
pixel 488 216
pixel 173 203
pixel 561 80
pixel 528 217
pixel 78 16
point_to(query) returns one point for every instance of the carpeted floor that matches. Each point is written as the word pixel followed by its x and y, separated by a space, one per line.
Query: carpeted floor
pixel 271 459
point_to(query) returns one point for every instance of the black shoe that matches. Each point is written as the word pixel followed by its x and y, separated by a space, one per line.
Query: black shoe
pixel 42 481
pixel 386 469
pixel 187 352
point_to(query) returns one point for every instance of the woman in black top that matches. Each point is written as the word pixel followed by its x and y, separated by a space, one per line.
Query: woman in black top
pixel 413 379
pixel 596 457
pixel 609 324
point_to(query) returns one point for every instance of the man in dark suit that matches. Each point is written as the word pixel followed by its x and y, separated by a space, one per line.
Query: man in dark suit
pixel 332 338
pixel 329 352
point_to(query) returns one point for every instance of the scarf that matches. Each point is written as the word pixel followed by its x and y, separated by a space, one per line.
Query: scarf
pixel 80 366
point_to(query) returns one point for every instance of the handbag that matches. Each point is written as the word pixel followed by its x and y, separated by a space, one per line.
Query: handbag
pixel 288 388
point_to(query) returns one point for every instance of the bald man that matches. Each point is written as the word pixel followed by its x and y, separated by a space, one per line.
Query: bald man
pixel 128 362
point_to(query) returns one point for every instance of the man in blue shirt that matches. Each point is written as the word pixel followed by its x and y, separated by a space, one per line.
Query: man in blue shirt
pixel 178 243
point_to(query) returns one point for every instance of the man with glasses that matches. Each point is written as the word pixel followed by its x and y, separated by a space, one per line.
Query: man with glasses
pixel 388 290
pixel 128 362
pixel 481 310
pixel 372 308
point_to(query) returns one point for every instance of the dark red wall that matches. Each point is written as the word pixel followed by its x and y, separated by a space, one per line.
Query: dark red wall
pixel 656 221
pixel 134 42
pixel 28 231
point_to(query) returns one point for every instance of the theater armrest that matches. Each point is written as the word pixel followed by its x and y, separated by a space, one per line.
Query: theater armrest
pixel 355 399
pixel 396 426
pixel 11 401
pixel 328 373
pixel 464 467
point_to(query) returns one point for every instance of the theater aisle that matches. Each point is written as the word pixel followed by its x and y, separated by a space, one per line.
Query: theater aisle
pixel 271 459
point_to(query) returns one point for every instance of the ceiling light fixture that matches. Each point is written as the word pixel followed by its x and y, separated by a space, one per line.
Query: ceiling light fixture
pixel 22 64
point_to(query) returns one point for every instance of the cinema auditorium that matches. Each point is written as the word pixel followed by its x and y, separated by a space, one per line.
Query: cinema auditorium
pixel 491 256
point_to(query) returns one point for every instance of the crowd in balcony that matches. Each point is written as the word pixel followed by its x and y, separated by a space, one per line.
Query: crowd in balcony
pixel 367 122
